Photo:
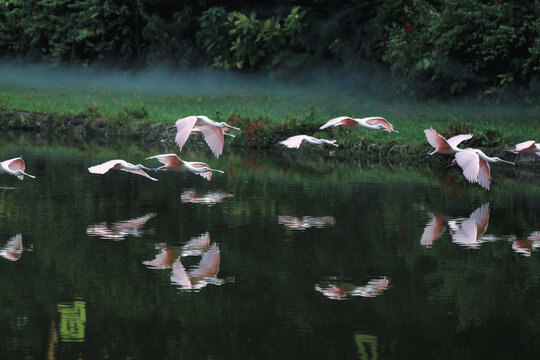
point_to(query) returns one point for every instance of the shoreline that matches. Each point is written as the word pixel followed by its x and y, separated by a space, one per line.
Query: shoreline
pixel 82 127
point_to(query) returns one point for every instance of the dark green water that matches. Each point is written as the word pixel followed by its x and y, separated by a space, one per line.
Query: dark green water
pixel 316 259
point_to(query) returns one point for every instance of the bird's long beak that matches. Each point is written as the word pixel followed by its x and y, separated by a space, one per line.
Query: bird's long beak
pixel 233 127
pixel 508 162
pixel 219 171
pixel 32 176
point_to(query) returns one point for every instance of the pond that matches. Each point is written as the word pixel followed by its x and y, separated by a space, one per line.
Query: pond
pixel 285 256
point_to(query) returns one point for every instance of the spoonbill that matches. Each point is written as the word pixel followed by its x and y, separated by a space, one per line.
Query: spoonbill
pixel 174 163
pixel 123 165
pixel 443 146
pixel 14 167
pixel 373 123
pixel 525 247
pixel 294 142
pixel 213 131
pixel 527 147
pixel 475 166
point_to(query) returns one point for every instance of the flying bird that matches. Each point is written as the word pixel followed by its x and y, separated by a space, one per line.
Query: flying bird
pixel 525 247
pixel 475 166
pixel 213 131
pixel 294 142
pixel 443 146
pixel 172 162
pixel 123 165
pixel 373 123
pixel 14 167
pixel 527 147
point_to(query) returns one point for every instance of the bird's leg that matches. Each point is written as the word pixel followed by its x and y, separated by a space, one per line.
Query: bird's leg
pixel 450 165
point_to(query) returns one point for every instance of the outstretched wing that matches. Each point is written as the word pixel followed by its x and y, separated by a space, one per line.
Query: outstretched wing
pixel 380 121
pixel 456 140
pixel 294 142
pixel 339 121
pixel 432 231
pixel 169 160
pixel 140 172
pixel 527 145
pixel 207 174
pixel 214 138
pixel 14 164
pixel 183 130
pixel 209 265
pixel 106 166
pixel 436 140
pixel 484 174
pixel 469 163
pixel 179 275
pixel 481 218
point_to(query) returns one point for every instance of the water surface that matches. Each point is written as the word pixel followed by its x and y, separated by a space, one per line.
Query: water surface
pixel 281 257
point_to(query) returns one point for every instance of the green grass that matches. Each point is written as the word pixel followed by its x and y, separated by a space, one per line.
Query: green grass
pixel 492 125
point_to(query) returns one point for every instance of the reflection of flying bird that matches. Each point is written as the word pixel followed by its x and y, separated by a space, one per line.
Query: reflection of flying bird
pixel 210 198
pixel 373 123
pixel 164 259
pixel 470 232
pixel 13 249
pixel 294 142
pixel 196 246
pixel 168 254
pixel 14 167
pixel 341 290
pixel 123 165
pixel 475 166
pixel 119 230
pixel 205 273
pixel 172 162
pixel 434 228
pixel 443 146
pixel 525 247
pixel 306 222
pixel 527 147
pixel 213 131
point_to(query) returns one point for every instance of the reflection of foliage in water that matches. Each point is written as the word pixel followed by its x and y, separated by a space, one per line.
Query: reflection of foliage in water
pixel 379 216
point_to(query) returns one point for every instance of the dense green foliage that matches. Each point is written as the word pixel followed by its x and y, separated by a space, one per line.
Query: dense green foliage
pixel 434 48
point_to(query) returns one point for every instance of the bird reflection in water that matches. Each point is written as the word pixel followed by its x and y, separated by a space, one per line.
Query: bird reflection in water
pixel 432 231
pixel 337 290
pixel 525 247
pixel 203 274
pixel 13 249
pixel 470 232
pixel 306 222
pixel 210 198
pixel 119 230
pixel 168 254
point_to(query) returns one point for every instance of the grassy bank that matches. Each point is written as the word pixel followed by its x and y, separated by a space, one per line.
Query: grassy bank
pixel 265 117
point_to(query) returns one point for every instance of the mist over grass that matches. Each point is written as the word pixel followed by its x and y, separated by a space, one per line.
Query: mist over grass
pixel 310 97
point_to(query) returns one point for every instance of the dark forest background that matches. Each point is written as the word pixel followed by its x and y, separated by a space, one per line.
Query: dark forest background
pixel 487 49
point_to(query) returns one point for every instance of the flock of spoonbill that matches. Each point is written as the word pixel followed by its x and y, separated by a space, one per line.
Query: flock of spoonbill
pixel 473 162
